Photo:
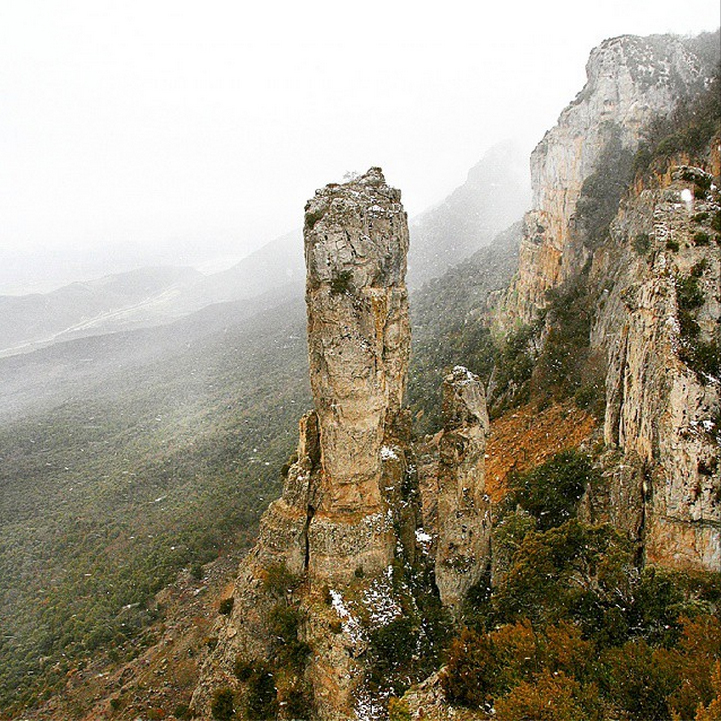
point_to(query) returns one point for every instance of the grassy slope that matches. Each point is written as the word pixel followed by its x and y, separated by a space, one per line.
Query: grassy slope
pixel 138 461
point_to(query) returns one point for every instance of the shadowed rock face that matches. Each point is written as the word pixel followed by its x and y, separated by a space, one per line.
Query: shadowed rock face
pixel 356 242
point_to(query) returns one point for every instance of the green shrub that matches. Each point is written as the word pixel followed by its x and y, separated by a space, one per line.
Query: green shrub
pixel 261 699
pixel 550 492
pixel 688 128
pixel 701 238
pixel 642 243
pixel 602 190
pixel 299 702
pixel 284 624
pixel 689 294
pixel 226 606
pixel 243 669
pixel 574 572
pixel 223 705
pixel 641 680
pixel 514 363
pixel 702 356
pixel 279 581
pixel 672 245
pixel 341 283
pixel 716 221
pixel 398 710
pixel 392 646
pixel 567 367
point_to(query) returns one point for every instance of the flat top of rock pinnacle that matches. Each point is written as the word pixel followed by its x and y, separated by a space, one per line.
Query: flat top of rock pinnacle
pixel 368 189
pixel 373 178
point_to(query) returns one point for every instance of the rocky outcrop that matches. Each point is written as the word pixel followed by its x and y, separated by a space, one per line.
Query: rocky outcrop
pixel 360 511
pixel 659 321
pixel 331 519
pixel 463 514
pixel 356 242
pixel 629 81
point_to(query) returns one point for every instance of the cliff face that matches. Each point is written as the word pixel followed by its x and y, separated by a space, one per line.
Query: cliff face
pixel 629 81
pixel 654 281
pixel 659 324
pixel 333 551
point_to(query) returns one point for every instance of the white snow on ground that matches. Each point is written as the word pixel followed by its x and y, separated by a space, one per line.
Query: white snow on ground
pixel 378 599
pixel 388 453
pixel 367 708
pixel 351 627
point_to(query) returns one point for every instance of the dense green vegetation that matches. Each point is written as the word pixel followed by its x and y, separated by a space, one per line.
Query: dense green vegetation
pixel 602 190
pixel 550 492
pixel 702 355
pixel 572 629
pixel 567 367
pixel 159 467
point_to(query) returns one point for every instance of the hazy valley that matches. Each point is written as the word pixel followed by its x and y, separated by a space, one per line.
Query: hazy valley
pixel 147 419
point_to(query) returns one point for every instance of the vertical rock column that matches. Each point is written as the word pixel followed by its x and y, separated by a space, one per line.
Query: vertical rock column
pixel 464 514
pixel 356 242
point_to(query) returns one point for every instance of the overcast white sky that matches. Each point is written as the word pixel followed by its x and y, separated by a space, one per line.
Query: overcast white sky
pixel 132 128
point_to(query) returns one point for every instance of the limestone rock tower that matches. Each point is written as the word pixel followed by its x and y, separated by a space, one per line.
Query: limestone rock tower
pixel 356 242
pixel 333 526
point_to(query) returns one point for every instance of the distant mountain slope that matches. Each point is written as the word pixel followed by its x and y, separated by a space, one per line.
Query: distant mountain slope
pixel 146 297
pixel 276 264
pixel 126 457
pixel 74 309
pixel 496 193
pixel 450 326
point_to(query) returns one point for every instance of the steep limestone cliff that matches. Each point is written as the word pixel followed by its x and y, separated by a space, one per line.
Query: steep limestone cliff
pixel 651 269
pixel 629 81
pixel 659 322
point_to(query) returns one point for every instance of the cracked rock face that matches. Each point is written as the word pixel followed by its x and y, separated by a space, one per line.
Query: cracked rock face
pixel 356 242
pixel 660 411
pixel 331 520
pixel 463 508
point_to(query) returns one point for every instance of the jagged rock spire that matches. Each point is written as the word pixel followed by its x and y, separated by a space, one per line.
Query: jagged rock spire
pixel 356 242
pixel 464 517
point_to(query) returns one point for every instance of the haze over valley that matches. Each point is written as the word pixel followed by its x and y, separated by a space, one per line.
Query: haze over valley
pixel 287 435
